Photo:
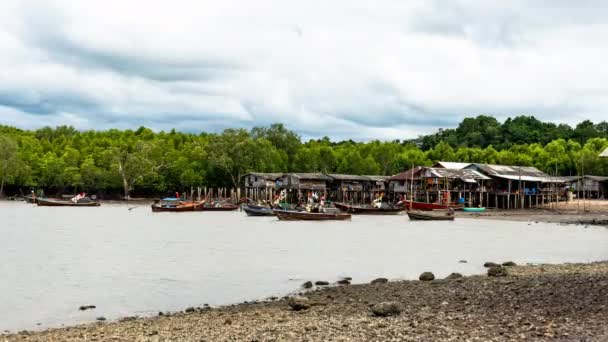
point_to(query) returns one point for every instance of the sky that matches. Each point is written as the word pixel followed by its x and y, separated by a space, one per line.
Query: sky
pixel 347 69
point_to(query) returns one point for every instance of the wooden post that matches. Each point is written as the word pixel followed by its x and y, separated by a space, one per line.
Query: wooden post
pixel 509 196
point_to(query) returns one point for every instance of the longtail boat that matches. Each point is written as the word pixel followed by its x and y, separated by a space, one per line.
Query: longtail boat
pixel 430 216
pixel 216 207
pixel 255 210
pixel 172 206
pixel 369 210
pixel 62 203
pixel 292 215
pixel 30 199
pixel 426 206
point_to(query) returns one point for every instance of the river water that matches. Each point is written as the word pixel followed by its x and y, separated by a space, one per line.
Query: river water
pixel 135 262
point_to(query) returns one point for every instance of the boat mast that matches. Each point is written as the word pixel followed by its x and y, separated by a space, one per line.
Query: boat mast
pixel 412 187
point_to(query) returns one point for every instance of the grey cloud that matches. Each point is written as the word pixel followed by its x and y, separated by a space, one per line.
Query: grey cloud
pixel 47 31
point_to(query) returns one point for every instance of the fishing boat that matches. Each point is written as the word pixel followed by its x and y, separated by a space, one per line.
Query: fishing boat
pixel 474 209
pixel 256 210
pixel 172 205
pixel 429 216
pixel 293 215
pixel 45 202
pixel 426 206
pixel 30 199
pixel 369 209
pixel 215 207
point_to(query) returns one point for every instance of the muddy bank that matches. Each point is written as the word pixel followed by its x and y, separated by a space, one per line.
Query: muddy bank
pixel 550 302
pixel 564 216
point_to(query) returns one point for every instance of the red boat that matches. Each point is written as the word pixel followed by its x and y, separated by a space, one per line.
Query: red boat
pixel 426 206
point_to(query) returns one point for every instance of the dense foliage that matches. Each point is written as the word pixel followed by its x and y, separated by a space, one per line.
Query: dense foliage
pixel 144 162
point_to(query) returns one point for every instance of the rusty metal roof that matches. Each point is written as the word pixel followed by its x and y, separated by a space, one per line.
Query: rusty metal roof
pixel 406 175
pixel 313 176
pixel 265 175
pixel 464 174
pixel 524 173
pixel 355 178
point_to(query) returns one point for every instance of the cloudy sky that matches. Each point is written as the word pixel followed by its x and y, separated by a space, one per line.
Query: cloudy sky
pixel 344 68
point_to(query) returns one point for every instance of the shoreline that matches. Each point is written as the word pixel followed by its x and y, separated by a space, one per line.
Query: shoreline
pixel 558 216
pixel 540 302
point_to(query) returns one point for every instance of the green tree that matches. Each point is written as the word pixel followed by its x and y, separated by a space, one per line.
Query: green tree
pixel 8 157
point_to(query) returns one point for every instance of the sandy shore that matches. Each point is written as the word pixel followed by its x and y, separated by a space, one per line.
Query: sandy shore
pixel 549 302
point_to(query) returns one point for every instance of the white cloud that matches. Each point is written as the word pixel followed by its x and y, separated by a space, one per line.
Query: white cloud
pixel 347 69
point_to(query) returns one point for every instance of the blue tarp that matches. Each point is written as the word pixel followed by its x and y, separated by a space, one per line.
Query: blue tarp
pixel 171 199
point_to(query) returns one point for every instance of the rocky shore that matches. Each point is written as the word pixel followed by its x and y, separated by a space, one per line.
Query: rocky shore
pixel 566 302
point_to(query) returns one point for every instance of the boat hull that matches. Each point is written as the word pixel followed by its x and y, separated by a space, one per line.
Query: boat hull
pixel 419 216
pixel 227 207
pixel 474 210
pixel 58 203
pixel 171 209
pixel 288 215
pixel 261 211
pixel 359 210
pixel 426 206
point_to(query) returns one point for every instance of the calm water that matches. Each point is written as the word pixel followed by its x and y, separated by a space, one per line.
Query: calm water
pixel 138 263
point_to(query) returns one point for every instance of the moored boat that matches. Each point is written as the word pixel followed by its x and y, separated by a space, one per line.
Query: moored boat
pixel 370 210
pixel 426 206
pixel 429 216
pixel 255 210
pixel 30 199
pixel 292 215
pixel 216 207
pixel 172 205
pixel 62 203
pixel 474 209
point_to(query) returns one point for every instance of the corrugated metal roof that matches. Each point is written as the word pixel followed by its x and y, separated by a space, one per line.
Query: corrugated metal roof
pixel 596 178
pixel 451 165
pixel 379 178
pixel 525 173
pixel 264 175
pixel 406 175
pixel 315 176
pixel 464 174
pixel 349 177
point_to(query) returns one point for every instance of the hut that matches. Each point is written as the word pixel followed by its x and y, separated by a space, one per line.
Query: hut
pixel 604 154
pixel 260 185
pixel 378 184
pixel 347 188
pixel 442 185
pixel 589 186
pixel 300 185
pixel 400 184
pixel 355 188
pixel 519 186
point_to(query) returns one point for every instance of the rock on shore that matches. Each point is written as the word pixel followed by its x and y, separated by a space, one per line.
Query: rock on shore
pixel 533 303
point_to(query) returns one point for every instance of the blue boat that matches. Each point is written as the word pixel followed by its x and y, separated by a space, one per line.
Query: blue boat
pixel 474 209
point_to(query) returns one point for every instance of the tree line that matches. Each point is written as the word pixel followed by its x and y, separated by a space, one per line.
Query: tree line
pixel 145 163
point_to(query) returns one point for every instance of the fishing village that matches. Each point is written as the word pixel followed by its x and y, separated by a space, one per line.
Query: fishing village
pixel 303 171
pixel 445 187
pixel 510 302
